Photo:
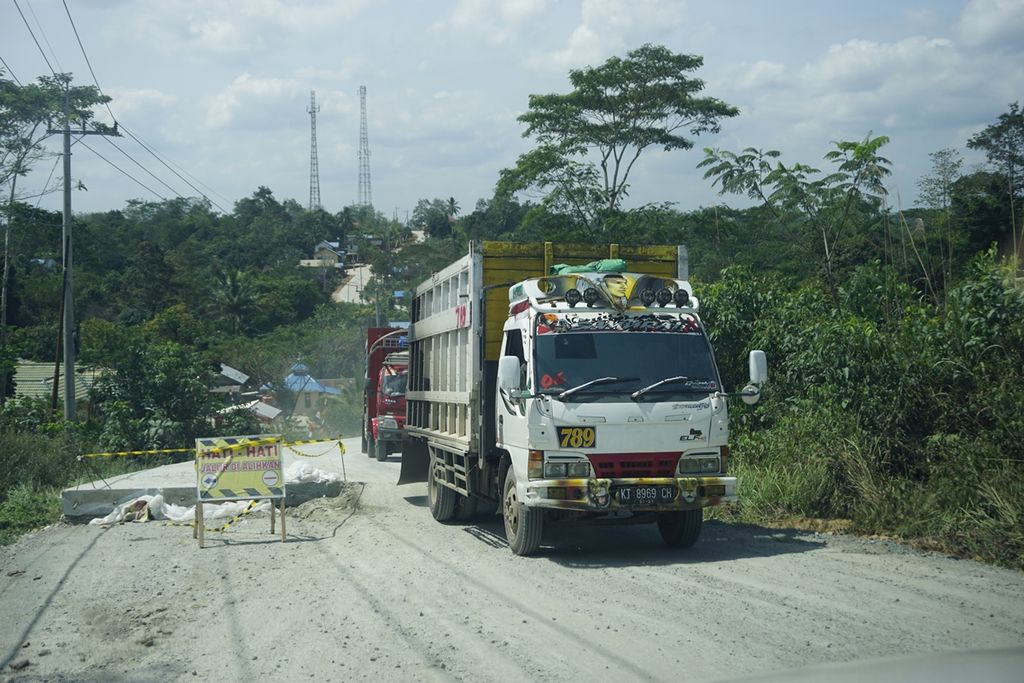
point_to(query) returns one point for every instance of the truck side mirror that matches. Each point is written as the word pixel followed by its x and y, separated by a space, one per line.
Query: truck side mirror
pixel 508 374
pixel 751 393
pixel 758 367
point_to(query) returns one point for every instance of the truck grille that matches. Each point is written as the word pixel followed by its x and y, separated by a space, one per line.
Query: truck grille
pixel 634 465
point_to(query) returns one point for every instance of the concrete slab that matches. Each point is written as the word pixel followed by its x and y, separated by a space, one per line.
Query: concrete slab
pixel 177 483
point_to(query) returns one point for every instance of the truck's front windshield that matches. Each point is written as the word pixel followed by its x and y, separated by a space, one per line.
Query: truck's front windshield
pixel 394 385
pixel 639 359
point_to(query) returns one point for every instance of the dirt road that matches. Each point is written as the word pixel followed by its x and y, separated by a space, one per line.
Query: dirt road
pixel 370 587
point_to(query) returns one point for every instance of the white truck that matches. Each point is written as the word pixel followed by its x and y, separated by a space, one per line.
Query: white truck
pixel 591 394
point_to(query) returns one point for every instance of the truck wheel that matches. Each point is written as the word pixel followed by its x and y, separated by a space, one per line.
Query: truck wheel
pixel 371 447
pixel 466 508
pixel 523 525
pixel 362 443
pixel 680 529
pixel 382 451
pixel 440 497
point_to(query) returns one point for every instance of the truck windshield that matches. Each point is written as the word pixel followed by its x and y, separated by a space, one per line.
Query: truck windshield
pixel 394 385
pixel 568 360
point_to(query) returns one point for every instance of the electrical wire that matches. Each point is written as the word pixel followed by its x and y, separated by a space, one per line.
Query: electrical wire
pixel 32 33
pixel 53 169
pixel 9 71
pixel 126 173
pixel 155 156
pixel 151 174
pixel 46 40
pixel 127 130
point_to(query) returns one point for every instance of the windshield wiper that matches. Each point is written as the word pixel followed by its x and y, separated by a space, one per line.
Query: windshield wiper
pixel 668 380
pixel 594 382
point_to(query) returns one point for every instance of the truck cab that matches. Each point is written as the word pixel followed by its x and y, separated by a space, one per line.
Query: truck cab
pixel 384 403
pixel 610 405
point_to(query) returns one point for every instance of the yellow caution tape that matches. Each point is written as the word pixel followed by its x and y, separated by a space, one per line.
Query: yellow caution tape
pixel 314 455
pixel 127 453
pixel 240 444
pixel 221 528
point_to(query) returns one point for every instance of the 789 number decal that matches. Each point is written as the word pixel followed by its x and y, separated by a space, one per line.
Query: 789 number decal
pixel 577 437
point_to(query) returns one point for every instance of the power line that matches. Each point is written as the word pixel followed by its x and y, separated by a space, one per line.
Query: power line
pixel 155 156
pixel 132 135
pixel 46 40
pixel 34 39
pixel 126 173
pixel 9 71
pixel 132 159
pixel 87 62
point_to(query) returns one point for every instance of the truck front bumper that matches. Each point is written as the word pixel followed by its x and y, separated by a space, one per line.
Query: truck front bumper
pixel 687 493
pixel 389 434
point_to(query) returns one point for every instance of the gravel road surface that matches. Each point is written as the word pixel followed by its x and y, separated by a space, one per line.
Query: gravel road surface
pixel 370 587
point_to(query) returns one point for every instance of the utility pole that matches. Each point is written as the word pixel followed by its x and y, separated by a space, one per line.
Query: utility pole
pixel 68 293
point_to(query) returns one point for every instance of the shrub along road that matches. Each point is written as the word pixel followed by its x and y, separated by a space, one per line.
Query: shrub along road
pixel 369 585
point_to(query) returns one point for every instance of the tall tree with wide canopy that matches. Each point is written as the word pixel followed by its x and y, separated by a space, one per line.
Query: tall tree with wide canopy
pixel 26 112
pixel 590 138
pixel 1003 144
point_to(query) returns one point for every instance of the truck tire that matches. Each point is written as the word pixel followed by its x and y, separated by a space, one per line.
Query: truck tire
pixel 440 498
pixel 362 442
pixel 371 446
pixel 382 451
pixel 523 525
pixel 681 529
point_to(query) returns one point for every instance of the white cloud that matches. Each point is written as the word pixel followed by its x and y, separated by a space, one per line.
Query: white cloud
pixel 251 96
pixel 237 26
pixel 993 24
pixel 607 27
pixel 130 100
pixel 498 21
pixel 348 68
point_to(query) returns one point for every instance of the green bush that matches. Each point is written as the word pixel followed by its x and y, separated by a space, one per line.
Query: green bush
pixel 886 410
pixel 34 460
pixel 25 508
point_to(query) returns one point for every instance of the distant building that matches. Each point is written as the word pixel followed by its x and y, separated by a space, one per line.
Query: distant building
pixel 310 394
pixel 229 381
pixel 35 380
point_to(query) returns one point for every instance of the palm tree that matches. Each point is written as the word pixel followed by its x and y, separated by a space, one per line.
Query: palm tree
pixel 453 207
pixel 234 299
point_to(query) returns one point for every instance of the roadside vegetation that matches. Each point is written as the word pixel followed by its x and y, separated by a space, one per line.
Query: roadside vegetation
pixel 894 334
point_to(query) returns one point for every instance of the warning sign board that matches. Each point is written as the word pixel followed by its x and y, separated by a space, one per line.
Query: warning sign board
pixel 239 467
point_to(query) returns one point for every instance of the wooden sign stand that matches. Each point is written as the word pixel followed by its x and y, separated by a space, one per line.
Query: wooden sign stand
pixel 200 525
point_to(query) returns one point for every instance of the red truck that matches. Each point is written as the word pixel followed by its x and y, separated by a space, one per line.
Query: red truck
pixel 387 365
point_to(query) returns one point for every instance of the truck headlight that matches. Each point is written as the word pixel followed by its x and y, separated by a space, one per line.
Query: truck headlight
pixel 554 470
pixel 388 422
pixel 579 469
pixel 700 464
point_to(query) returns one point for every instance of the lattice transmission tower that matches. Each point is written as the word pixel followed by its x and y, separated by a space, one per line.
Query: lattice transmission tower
pixel 314 165
pixel 365 196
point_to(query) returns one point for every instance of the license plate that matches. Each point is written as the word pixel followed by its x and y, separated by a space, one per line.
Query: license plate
pixel 645 495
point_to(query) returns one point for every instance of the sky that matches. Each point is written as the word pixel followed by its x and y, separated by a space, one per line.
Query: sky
pixel 220 89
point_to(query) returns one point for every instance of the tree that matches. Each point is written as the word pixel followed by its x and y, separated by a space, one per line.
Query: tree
pixel 1003 144
pixel 590 138
pixel 824 206
pixel 25 114
pixel 156 396
pixel 233 299
pixel 936 193
pixel 434 216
